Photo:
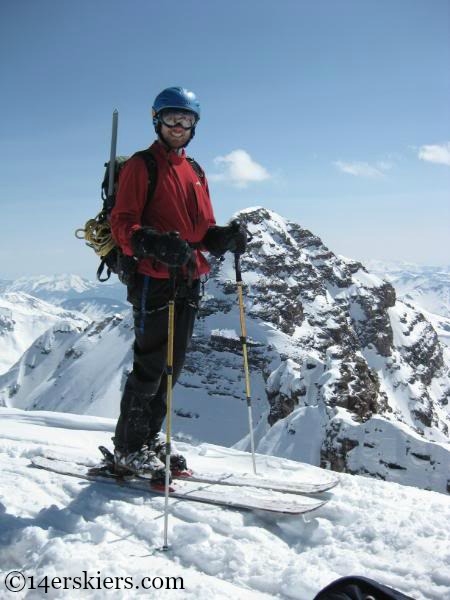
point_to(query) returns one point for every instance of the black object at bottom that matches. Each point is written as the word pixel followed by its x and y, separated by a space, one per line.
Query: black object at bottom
pixel 359 588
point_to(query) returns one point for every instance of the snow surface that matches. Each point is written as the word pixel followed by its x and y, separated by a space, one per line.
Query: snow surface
pixel 58 526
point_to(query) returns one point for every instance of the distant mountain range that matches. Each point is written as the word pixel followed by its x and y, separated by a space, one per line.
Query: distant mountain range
pixel 92 298
pixel 344 372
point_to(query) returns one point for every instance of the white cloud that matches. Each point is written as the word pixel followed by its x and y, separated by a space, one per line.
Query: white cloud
pixel 436 153
pixel 239 168
pixel 363 169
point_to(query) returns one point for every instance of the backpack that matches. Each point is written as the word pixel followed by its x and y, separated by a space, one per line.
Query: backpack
pixel 97 231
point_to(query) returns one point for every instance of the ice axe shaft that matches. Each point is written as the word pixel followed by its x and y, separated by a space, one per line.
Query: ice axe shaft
pixel 112 154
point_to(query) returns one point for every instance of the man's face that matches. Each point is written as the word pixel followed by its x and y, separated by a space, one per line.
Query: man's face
pixel 175 137
pixel 176 126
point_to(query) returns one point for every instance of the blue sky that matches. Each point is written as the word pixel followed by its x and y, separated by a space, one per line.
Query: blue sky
pixel 333 113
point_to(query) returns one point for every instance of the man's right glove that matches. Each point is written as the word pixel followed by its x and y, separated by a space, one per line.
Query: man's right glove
pixel 168 248
pixel 232 237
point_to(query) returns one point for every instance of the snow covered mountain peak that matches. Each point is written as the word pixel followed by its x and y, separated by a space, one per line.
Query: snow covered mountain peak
pixel 350 353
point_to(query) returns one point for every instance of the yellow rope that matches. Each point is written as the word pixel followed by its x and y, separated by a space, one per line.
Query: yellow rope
pixel 97 233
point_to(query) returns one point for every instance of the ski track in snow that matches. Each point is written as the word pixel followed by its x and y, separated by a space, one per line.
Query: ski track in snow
pixel 59 526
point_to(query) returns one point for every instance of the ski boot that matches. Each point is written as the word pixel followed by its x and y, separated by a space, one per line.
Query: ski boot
pixel 178 464
pixel 143 463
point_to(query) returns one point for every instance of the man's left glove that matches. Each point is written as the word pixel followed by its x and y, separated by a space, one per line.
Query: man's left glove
pixel 232 238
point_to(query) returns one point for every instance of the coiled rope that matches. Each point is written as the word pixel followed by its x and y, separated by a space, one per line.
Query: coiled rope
pixel 97 235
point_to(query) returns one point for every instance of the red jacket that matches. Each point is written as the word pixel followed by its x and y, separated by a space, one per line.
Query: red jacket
pixel 180 203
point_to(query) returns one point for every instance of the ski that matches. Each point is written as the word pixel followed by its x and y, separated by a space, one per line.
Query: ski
pixel 237 497
pixel 246 479
pixel 261 482
pixel 242 479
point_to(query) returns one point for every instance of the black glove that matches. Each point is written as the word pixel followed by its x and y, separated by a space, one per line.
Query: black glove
pixel 168 248
pixel 232 237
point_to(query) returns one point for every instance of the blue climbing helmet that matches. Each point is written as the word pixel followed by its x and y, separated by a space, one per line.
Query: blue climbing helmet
pixel 175 97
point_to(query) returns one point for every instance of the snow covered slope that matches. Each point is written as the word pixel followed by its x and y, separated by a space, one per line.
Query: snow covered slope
pixel 24 318
pixel 55 526
pixel 72 369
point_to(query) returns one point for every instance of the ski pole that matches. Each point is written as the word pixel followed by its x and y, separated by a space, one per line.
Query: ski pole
pixel 237 266
pixel 169 372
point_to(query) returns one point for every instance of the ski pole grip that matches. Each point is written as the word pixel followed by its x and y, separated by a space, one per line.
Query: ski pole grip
pixel 237 226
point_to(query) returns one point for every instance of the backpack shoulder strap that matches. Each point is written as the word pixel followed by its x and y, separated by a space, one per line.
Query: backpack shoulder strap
pixel 152 170
pixel 197 168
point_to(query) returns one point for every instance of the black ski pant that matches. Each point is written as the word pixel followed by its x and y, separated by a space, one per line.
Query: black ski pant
pixel 143 404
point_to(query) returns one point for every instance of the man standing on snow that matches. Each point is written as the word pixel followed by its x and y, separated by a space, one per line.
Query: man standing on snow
pixel 170 231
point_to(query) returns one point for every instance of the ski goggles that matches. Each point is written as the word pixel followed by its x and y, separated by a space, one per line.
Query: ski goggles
pixel 177 118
